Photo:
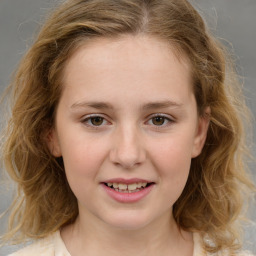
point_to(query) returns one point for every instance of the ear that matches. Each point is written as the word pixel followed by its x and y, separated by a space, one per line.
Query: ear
pixel 53 142
pixel 201 132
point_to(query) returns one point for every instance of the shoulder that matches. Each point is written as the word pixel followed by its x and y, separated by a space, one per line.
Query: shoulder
pixel 199 249
pixel 49 246
pixel 37 248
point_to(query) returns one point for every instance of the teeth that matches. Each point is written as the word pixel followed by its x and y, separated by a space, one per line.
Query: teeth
pixel 122 186
pixel 134 187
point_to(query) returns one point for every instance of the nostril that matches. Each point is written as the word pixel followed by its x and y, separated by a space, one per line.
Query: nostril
pixel 127 153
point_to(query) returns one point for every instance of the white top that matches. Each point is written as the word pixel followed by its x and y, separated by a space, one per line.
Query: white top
pixel 53 245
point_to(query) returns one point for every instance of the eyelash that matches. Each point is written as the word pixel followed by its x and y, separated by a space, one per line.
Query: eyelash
pixel 88 121
pixel 167 120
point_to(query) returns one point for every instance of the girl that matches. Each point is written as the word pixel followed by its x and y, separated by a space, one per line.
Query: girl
pixel 126 135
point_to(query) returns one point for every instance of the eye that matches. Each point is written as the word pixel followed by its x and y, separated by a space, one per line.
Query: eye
pixel 160 120
pixel 94 121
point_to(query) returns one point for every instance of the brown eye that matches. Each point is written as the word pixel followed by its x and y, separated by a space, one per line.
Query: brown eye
pixel 158 120
pixel 97 121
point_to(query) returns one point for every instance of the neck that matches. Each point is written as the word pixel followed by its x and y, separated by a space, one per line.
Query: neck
pixel 161 237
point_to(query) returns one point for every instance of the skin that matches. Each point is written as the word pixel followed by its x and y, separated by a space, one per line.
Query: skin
pixel 127 82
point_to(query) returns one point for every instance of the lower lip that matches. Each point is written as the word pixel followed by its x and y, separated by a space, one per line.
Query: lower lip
pixel 127 197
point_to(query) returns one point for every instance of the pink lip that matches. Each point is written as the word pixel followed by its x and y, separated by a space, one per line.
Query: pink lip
pixel 127 197
pixel 127 181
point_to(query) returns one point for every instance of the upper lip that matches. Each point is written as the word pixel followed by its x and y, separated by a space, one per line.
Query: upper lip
pixel 127 181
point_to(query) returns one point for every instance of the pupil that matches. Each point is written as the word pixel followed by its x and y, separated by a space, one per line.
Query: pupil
pixel 158 120
pixel 97 121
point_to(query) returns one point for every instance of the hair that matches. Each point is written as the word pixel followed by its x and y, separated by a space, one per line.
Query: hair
pixel 213 196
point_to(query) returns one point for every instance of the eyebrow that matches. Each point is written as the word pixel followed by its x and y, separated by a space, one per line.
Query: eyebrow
pixel 161 104
pixel 96 105
pixel 103 105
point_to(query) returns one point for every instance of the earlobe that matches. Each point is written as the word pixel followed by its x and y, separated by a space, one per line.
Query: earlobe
pixel 53 143
pixel 201 133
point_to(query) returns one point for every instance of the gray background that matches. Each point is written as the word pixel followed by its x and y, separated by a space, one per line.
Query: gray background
pixel 233 21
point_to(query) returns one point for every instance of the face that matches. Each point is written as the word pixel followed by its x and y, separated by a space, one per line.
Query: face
pixel 127 127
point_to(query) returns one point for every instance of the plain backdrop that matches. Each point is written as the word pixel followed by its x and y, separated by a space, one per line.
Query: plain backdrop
pixel 232 21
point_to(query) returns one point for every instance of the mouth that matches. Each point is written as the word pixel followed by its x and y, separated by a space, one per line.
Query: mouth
pixel 128 188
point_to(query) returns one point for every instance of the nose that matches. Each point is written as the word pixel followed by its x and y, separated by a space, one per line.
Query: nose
pixel 127 149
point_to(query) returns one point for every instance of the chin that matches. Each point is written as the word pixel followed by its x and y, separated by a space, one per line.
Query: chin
pixel 128 221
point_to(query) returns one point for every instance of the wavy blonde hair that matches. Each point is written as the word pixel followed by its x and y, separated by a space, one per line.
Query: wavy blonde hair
pixel 213 197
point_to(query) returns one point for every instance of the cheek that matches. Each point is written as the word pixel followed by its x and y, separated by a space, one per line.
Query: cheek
pixel 82 161
pixel 173 170
pixel 174 150
pixel 173 165
pixel 172 159
pixel 82 165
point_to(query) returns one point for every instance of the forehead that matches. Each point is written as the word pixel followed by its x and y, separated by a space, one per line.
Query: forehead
pixel 126 51
pixel 126 67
